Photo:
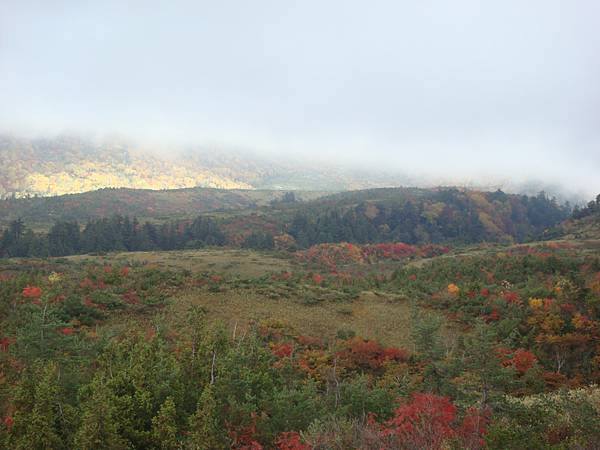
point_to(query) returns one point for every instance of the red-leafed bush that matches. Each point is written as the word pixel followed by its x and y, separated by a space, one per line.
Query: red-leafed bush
pixel 4 344
pixel 430 422
pixel 291 440
pixel 365 353
pixel 32 292
pixel 67 331
pixel 523 360
pixel 282 350
pixel 243 437
pixel 512 298
pixel 424 423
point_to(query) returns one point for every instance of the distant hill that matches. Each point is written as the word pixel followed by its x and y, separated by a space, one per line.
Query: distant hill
pixel 410 215
pixel 421 216
pixel 71 165
pixel 142 203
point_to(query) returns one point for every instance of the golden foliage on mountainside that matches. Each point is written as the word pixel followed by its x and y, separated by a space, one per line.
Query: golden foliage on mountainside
pixel 70 165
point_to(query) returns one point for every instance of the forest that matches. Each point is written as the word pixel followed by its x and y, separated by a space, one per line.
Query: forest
pixel 445 216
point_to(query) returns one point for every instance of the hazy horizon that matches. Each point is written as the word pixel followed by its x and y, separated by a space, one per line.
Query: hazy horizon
pixel 461 91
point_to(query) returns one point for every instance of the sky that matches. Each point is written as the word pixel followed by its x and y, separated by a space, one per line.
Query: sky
pixel 473 89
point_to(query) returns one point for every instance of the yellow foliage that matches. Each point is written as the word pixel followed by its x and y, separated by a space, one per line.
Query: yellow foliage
pixel 453 289
pixel 54 277
pixel 536 303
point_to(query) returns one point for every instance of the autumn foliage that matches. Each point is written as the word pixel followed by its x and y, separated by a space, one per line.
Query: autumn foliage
pixel 32 292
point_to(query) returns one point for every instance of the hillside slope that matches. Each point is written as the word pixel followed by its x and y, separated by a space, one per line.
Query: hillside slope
pixel 69 165
pixel 143 203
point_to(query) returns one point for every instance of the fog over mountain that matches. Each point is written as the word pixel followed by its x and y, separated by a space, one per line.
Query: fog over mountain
pixel 497 94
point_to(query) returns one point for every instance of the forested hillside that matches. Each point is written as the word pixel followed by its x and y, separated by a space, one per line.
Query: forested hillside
pixel 41 212
pixel 411 216
pixel 71 164
pixel 421 216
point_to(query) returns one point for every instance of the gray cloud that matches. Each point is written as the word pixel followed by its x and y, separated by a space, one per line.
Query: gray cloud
pixel 470 88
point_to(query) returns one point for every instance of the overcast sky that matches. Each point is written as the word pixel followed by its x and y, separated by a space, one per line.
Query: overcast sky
pixel 467 87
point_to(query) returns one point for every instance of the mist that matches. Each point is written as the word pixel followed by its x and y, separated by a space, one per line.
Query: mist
pixel 464 91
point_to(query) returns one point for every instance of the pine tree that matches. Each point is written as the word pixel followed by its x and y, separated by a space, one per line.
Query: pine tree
pixel 38 410
pixel 99 423
pixel 164 426
pixel 204 430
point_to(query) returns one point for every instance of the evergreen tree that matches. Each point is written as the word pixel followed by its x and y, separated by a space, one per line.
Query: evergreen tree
pixel 99 427
pixel 205 432
pixel 38 416
pixel 164 426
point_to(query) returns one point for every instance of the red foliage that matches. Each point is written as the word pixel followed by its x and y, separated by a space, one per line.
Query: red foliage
pixel 308 341
pixel 473 428
pixel 243 437
pixel 494 316
pixel 67 331
pixel 87 283
pixel 32 292
pixel 412 277
pixel 523 360
pixel 4 344
pixel 216 278
pixel 125 271
pixel 426 422
pixel 393 251
pixel 370 354
pixel 317 278
pixel 282 350
pixel 429 421
pixel 291 440
pixel 8 421
pixel 512 298
pixel 107 269
pixel 485 292
pixel 431 250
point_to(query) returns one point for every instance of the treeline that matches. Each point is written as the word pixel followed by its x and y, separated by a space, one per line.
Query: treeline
pixel 591 209
pixel 116 233
pixel 444 216
pixel 448 215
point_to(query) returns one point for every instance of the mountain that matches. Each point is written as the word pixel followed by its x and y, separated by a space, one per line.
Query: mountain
pixel 71 165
